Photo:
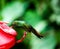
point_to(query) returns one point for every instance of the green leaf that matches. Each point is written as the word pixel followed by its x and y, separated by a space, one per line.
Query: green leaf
pixel 13 10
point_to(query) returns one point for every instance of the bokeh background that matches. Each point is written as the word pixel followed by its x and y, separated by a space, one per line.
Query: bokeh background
pixel 43 15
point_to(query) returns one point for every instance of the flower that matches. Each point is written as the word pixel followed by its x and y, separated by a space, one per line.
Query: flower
pixel 8 36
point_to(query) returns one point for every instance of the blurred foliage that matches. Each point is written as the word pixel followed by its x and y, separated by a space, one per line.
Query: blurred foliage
pixel 43 15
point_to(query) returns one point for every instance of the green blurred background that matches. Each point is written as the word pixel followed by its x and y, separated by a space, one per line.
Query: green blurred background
pixel 43 15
